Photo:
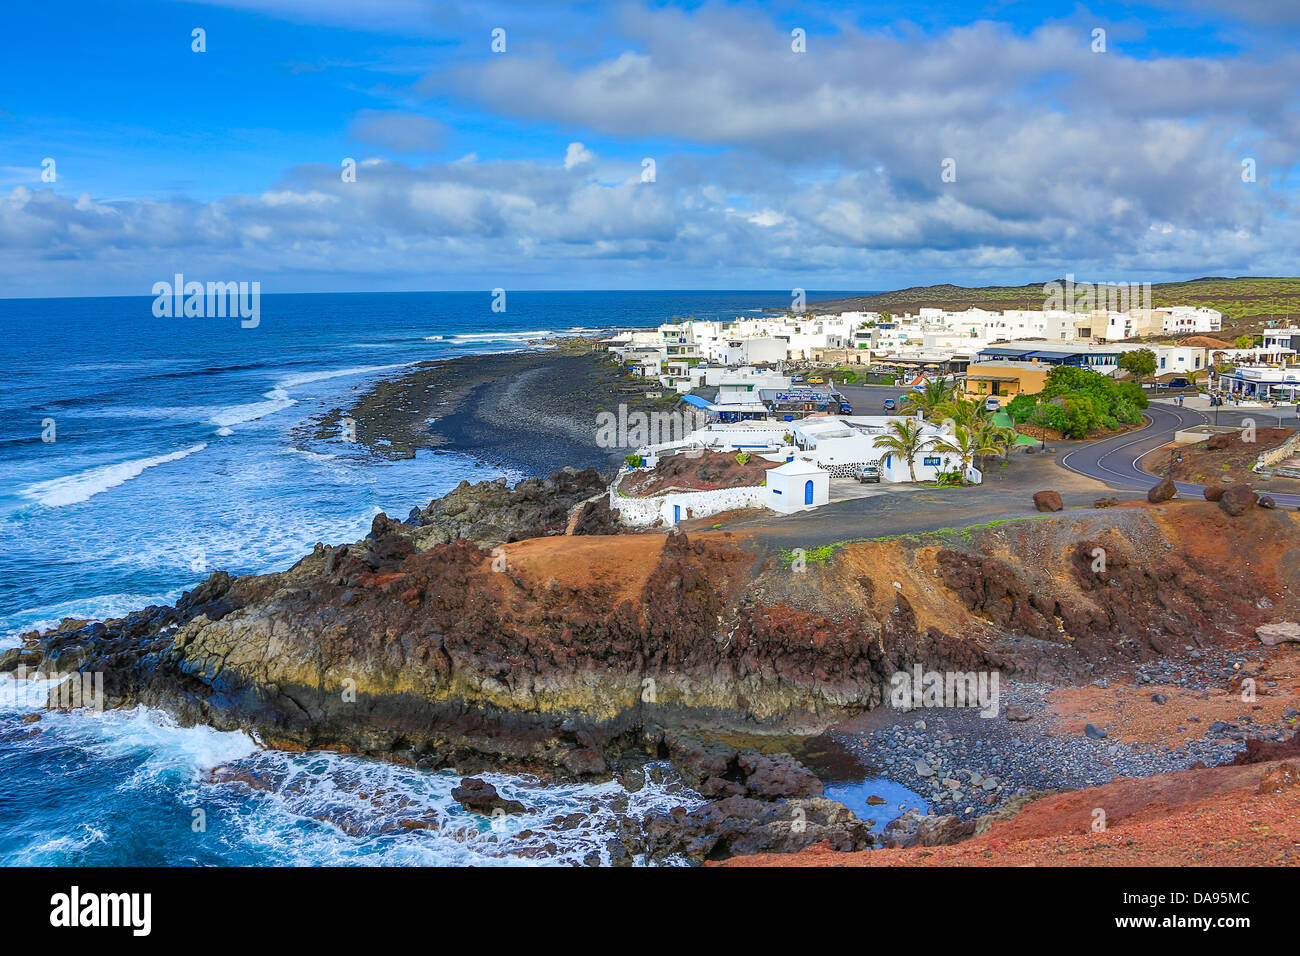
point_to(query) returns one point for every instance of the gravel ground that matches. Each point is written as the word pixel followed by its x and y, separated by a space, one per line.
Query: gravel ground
pixel 967 765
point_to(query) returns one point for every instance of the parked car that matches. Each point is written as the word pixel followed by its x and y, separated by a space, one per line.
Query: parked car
pixel 1180 383
pixel 869 473
pixel 992 404
pixel 816 380
pixel 889 405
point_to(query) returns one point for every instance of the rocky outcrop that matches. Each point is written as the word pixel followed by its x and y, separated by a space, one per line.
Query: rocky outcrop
pixel 1214 492
pixel 739 826
pixel 481 797
pixel 717 770
pixel 491 512
pixel 1118 604
pixel 570 656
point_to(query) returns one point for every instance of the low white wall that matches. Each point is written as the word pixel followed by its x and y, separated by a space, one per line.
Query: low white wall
pixel 644 512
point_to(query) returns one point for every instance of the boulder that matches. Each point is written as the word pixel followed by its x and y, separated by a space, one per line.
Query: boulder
pixel 914 828
pixel 1236 500
pixel 1214 492
pixel 1093 731
pixel 1282 632
pixel 1219 442
pixel 1266 501
pixel 1163 491
pixel 1047 501
pixel 1105 502
pixel 1016 713
pixel 480 796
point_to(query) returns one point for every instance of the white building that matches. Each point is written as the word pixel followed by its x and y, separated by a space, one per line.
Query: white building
pixel 797 486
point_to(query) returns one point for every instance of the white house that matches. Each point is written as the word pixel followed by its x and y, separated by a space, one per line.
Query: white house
pixel 796 486
pixel 842 444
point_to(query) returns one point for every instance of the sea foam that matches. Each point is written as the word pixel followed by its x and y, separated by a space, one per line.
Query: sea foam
pixel 74 489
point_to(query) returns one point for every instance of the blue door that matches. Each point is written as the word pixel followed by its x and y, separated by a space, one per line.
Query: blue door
pixel 677 513
pixel 807 492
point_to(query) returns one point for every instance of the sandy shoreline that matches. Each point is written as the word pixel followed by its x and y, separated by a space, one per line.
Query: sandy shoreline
pixel 534 412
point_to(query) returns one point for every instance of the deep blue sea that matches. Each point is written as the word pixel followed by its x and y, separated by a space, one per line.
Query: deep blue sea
pixel 170 457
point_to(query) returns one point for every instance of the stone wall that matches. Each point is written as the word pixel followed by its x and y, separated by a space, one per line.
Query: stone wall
pixel 644 512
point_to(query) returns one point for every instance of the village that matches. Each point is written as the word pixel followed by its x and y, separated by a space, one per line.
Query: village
pixel 817 408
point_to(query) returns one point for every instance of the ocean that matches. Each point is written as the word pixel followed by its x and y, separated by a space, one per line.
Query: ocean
pixel 139 454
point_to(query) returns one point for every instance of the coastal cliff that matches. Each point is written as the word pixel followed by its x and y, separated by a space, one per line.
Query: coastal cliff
pixel 569 655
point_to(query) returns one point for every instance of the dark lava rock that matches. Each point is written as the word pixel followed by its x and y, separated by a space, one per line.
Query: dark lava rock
pixel 1047 501
pixel 481 797
pixel 1016 713
pixel 739 826
pixel 1214 492
pixel 1160 698
pixel 1163 491
pixel 1219 442
pixel 1093 731
pixel 1105 502
pixel 1236 500
pixel 491 512
pixel 1266 501
pixel 717 770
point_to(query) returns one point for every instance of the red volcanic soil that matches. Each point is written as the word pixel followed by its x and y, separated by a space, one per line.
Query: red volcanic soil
pixel 709 472
pixel 1219 816
pixel 1226 465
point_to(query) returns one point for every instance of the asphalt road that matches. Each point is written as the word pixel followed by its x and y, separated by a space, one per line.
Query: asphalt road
pixel 1116 460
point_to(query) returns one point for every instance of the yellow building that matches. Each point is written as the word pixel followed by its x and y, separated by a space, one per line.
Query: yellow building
pixel 1005 380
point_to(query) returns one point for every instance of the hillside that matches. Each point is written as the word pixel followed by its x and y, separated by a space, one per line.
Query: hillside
pixel 1247 303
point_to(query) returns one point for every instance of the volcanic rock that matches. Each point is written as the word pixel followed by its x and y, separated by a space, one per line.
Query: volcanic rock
pixel 1163 491
pixel 739 826
pixel 1047 501
pixel 481 797
pixel 1236 499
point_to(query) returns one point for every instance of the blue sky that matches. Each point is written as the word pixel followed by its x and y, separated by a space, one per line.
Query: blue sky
pixel 523 169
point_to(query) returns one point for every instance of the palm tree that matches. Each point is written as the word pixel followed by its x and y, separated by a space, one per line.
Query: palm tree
pixel 904 437
pixel 966 443
pixel 934 393
pixel 1003 438
pixel 964 411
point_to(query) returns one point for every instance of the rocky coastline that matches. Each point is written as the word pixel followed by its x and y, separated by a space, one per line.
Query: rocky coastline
pixel 509 629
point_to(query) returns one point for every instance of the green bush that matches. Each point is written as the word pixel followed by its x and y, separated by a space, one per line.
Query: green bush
pixel 1075 401
pixel 742 458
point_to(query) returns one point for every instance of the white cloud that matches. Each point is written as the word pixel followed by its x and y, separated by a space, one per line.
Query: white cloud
pixel 578 155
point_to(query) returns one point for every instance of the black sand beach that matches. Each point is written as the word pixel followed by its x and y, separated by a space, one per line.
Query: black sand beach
pixel 531 411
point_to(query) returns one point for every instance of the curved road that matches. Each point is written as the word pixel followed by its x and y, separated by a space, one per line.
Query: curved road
pixel 1116 460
